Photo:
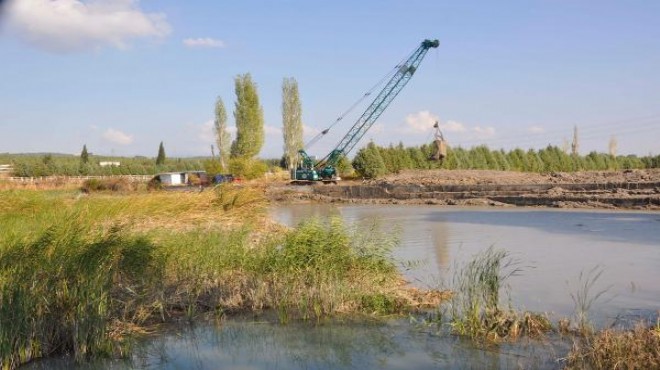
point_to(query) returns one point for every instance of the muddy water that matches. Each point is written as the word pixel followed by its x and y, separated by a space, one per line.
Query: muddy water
pixel 552 247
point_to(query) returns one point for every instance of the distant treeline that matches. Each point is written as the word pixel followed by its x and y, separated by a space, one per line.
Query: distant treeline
pixel 374 161
pixel 370 161
pixel 36 165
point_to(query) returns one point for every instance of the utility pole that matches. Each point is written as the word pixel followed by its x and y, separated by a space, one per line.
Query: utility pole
pixel 575 146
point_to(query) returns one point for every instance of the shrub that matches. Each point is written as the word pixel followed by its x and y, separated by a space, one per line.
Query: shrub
pixel 369 163
pixel 247 168
pixel 111 184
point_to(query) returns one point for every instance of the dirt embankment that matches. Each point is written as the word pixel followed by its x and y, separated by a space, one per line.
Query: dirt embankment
pixel 634 189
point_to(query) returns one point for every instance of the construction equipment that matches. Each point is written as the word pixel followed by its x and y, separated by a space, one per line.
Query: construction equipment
pixel 440 150
pixel 309 170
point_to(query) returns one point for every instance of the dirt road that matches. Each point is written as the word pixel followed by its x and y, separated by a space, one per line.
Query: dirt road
pixel 634 189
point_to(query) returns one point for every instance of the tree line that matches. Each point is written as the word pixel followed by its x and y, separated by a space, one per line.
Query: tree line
pixel 37 165
pixel 239 156
pixel 373 161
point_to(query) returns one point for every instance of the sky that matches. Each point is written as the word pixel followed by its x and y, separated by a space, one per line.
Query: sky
pixel 120 76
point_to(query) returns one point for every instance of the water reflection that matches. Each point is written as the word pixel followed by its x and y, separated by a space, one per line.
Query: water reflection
pixel 554 247
pixel 605 225
pixel 259 345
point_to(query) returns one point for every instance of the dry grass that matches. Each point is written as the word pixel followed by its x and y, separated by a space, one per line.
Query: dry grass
pixel 51 184
pixel 638 348
pixel 110 184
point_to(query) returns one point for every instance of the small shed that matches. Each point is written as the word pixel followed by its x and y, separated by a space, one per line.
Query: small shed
pixel 173 178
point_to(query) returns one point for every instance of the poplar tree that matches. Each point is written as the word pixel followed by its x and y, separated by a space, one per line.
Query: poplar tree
pixel 222 137
pixel 292 127
pixel 84 156
pixel 161 154
pixel 249 117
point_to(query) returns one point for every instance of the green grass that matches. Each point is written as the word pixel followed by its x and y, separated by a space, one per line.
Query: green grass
pixel 80 274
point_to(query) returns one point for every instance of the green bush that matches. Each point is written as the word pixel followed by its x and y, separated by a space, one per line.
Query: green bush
pixel 111 184
pixel 247 168
pixel 369 163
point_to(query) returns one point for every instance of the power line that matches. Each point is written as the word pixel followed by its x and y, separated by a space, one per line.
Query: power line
pixel 589 131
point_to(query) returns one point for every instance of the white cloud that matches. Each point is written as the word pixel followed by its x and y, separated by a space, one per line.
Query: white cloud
pixel 535 130
pixel 452 126
pixel 206 131
pixel 117 137
pixel 483 132
pixel 420 122
pixel 74 25
pixel 204 42
pixel 272 130
pixel 377 128
pixel 310 131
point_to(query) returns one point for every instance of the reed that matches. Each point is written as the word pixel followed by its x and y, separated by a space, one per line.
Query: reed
pixel 475 310
pixel 584 297
pixel 80 274
pixel 638 348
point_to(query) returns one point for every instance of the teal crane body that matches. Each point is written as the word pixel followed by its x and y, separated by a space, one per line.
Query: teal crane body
pixel 325 169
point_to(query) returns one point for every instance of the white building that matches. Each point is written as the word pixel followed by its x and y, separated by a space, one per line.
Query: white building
pixel 109 164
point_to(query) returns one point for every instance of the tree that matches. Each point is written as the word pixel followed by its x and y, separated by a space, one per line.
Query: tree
pixel 292 128
pixel 161 154
pixel 249 118
pixel 222 137
pixel 369 163
pixel 84 156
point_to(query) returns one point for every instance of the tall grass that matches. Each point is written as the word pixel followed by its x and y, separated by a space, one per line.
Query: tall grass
pixel 585 296
pixel 57 290
pixel 475 308
pixel 79 274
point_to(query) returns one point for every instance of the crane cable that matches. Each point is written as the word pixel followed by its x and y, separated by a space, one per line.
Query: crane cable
pixel 387 76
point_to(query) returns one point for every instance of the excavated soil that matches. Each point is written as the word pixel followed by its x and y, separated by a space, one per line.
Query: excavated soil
pixel 476 177
pixel 629 189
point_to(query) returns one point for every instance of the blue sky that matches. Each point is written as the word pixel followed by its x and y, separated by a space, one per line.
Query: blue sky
pixel 123 75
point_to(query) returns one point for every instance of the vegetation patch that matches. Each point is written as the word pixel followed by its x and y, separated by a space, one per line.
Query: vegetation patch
pixel 109 184
pixel 79 275
pixel 638 348
pixel 375 161
pixel 475 310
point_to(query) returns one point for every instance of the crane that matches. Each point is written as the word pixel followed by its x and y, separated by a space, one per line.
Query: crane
pixel 325 169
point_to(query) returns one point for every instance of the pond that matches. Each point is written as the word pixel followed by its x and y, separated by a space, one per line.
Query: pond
pixel 552 248
pixel 247 344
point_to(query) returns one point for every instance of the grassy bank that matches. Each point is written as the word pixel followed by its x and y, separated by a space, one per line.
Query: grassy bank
pixel 80 273
pixel 637 348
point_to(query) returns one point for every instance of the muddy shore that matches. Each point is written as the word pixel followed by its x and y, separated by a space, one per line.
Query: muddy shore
pixel 628 189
